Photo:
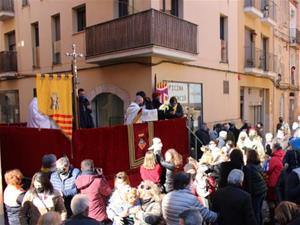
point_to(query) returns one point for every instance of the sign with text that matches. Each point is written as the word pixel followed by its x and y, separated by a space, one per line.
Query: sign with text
pixel 179 90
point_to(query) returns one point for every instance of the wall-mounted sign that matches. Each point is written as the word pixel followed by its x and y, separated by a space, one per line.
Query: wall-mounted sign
pixel 189 95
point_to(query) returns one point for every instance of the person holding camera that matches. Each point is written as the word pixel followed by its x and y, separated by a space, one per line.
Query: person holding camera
pixel 93 184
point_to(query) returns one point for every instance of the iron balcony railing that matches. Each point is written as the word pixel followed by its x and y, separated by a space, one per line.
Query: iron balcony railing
pixel 7 5
pixel 144 29
pixel 253 3
pixel 294 36
pixel 260 59
pixel 268 7
pixel 8 61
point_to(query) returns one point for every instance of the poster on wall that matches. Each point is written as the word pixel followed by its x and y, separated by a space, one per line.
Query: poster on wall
pixel 189 95
pixel 179 90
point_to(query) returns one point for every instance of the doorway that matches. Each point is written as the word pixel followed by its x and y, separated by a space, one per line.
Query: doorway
pixel 108 110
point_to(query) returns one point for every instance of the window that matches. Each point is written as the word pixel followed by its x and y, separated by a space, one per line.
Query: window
pixel 225 87
pixel 35 35
pixel 56 39
pixel 175 7
pixel 80 18
pixel 250 60
pixel 9 106
pixel 123 8
pixel 25 3
pixel 189 95
pixel 224 38
pixel 56 27
pixel 11 41
pixel 35 44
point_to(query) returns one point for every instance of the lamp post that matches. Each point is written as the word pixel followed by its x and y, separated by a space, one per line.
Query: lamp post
pixel 74 55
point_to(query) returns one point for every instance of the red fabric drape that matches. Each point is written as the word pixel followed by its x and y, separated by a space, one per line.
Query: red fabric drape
pixel 23 148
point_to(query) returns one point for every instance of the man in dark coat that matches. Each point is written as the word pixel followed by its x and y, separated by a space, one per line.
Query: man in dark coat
pixel 232 204
pixel 85 111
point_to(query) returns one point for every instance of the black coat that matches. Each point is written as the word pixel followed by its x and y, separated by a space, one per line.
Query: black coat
pixel 257 185
pixel 177 114
pixel 85 117
pixel 81 220
pixel 225 168
pixel 296 221
pixel 234 206
pixel 292 188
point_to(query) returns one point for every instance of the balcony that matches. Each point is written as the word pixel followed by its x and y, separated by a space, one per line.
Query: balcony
pixel 253 8
pixel 295 37
pixel 8 63
pixel 6 9
pixel 146 34
pixel 259 62
pixel 268 8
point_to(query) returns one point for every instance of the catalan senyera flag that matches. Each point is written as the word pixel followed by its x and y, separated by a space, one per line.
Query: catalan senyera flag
pixel 54 94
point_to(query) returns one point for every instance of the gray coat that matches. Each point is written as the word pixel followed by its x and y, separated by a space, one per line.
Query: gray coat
pixel 177 201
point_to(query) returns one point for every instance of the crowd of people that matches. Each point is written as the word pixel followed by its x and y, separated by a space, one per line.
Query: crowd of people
pixel 239 177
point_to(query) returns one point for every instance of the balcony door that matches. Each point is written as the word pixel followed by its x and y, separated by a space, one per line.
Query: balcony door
pixel 249 48
pixel 10 39
pixel 264 54
pixel 108 110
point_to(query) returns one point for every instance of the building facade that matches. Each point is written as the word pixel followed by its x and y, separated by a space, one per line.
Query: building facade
pixel 222 59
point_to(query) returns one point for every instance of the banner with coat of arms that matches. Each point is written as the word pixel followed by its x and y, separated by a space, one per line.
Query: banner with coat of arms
pixel 54 94
pixel 139 140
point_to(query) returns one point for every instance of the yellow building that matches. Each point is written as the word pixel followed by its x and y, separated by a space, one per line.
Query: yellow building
pixel 218 57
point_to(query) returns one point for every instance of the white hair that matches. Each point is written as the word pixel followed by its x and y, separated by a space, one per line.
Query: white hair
pixel 79 204
pixel 269 137
pixel 295 125
pixel 235 177
pixel 223 134
pixel 62 162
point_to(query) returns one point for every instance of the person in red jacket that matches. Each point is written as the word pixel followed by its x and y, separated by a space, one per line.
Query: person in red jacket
pixel 150 170
pixel 92 183
pixel 274 171
pixel 273 174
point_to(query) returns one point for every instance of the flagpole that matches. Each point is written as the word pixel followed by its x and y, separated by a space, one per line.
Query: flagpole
pixel 74 55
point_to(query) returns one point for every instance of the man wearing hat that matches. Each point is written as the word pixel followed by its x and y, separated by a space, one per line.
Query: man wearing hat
pixel 48 164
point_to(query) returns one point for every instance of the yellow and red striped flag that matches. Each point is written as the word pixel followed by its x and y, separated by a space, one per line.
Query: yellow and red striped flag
pixel 54 94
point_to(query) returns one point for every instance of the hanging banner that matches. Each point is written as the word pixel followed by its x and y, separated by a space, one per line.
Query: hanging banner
pixel 162 89
pixel 54 94
pixel 139 140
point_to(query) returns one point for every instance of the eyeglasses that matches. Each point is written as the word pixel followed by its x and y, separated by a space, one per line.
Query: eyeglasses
pixel 145 187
